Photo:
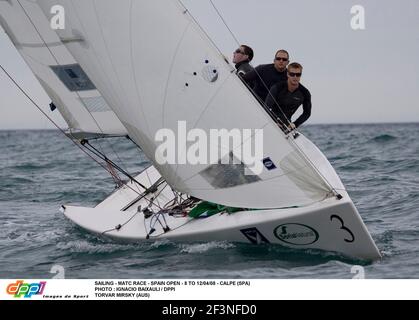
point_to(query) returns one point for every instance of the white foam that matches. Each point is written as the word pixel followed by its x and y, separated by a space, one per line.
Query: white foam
pixel 204 247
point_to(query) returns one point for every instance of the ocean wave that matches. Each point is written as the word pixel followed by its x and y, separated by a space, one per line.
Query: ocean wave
pixel 360 163
pixel 88 247
pixel 382 138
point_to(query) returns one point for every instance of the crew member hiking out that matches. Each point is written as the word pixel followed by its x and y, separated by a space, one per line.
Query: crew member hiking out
pixel 242 58
pixel 265 76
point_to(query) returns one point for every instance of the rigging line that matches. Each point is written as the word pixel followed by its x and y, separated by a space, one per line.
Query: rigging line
pixel 138 147
pixel 77 93
pixel 276 119
pixel 117 179
pixel 133 180
pixel 186 11
pixel 48 48
pixel 257 73
pixel 96 152
pixel 172 229
pixel 152 189
pixel 178 227
pixel 277 104
pixel 120 226
pixel 151 203
pixel 157 197
pixel 58 127
pixel 273 116
pixel 225 23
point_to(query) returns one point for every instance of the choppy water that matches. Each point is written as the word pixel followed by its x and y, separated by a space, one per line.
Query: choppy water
pixel 40 170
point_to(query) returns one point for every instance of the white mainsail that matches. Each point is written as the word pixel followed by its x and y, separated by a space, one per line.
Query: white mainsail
pixel 76 97
pixel 155 67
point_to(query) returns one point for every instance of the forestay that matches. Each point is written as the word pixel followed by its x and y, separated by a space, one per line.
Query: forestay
pixel 155 67
pixel 70 89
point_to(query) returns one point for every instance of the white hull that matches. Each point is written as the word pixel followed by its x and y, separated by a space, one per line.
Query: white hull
pixel 330 225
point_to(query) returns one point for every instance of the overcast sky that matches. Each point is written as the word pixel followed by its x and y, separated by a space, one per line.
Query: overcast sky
pixel 354 76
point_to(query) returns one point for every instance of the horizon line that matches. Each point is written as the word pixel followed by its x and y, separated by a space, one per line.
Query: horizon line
pixel 308 124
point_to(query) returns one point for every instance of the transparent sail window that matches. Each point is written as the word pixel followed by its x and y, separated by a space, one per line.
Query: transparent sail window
pixel 222 176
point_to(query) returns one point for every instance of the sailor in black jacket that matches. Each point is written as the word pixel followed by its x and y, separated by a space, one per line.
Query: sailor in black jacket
pixel 242 57
pixel 286 97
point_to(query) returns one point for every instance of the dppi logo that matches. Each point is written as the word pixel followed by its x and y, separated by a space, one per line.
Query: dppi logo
pixel 19 289
pixel 296 234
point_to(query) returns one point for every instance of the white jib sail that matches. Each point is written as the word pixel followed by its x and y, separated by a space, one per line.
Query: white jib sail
pixel 71 91
pixel 155 67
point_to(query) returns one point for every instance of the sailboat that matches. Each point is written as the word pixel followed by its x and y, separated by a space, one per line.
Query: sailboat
pixel 134 67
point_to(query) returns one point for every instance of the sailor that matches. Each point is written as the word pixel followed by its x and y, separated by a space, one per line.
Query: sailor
pixel 263 77
pixel 286 97
pixel 242 57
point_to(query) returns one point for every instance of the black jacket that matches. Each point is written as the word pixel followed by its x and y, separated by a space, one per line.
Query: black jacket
pixel 262 78
pixel 243 67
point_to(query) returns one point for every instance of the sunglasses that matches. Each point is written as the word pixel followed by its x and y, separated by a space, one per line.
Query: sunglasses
pixel 239 51
pixel 281 59
pixel 294 74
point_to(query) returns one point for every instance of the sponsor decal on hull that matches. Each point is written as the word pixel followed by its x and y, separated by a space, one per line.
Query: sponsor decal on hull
pixel 296 234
